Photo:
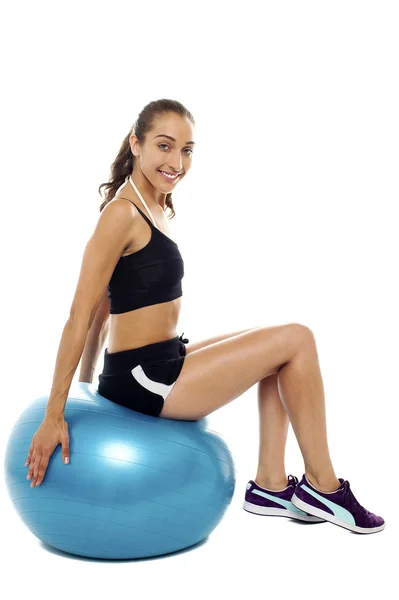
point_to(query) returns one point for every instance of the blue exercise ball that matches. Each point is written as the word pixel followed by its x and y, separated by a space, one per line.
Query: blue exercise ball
pixel 136 485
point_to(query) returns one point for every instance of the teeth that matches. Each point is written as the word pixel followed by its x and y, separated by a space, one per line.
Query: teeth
pixel 170 176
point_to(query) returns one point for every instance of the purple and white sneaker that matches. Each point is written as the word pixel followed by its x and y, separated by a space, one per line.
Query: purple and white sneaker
pixel 339 507
pixel 262 501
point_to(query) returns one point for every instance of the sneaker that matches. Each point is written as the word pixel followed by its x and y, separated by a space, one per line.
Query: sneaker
pixel 339 507
pixel 262 501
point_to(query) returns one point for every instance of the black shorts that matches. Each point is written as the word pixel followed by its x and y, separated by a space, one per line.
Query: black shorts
pixel 142 378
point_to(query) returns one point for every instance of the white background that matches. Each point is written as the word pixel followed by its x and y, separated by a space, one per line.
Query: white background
pixel 287 215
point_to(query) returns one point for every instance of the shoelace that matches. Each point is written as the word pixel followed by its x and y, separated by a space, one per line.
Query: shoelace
pixel 350 499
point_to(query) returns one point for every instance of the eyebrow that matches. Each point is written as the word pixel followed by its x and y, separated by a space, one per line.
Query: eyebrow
pixel 170 138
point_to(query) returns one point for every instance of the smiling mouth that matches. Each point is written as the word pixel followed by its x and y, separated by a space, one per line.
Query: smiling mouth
pixel 169 176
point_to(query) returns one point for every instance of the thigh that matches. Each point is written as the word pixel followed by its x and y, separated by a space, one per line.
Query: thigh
pixel 193 346
pixel 220 372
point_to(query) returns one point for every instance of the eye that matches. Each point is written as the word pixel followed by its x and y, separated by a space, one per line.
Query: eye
pixel 190 151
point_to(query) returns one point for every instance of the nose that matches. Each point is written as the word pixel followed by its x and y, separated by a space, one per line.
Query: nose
pixel 175 161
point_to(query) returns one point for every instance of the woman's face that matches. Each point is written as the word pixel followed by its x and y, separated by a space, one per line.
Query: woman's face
pixel 162 153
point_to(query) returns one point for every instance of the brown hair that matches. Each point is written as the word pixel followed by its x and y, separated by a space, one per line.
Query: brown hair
pixel 123 163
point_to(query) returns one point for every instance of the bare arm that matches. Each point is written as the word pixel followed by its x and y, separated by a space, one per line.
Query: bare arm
pixel 101 255
pixel 69 352
pixel 102 252
pixel 95 341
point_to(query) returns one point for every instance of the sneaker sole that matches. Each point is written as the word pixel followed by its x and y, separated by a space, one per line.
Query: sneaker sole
pixel 328 517
pixel 279 512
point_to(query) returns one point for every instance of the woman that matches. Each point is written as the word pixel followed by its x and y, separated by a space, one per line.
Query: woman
pixel 150 369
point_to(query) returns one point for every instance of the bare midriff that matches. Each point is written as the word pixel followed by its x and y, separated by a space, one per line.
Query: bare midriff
pixel 149 324
pixel 143 326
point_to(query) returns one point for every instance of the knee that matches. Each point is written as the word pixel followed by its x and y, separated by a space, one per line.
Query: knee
pixel 303 334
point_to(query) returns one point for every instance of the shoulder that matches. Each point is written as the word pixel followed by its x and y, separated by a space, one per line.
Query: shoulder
pixel 118 218
pixel 124 205
pixel 120 204
pixel 119 209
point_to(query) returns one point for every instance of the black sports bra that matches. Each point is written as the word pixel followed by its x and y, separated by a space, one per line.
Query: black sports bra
pixel 149 276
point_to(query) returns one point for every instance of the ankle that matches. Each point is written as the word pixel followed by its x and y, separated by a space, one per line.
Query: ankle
pixel 271 484
pixel 324 484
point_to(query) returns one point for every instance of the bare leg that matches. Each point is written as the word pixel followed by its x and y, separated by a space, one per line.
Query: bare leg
pixel 273 430
pixel 219 373
pixel 301 391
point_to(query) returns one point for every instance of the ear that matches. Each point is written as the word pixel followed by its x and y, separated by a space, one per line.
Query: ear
pixel 134 145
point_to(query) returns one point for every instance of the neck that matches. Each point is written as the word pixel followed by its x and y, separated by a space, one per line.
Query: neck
pixel 152 196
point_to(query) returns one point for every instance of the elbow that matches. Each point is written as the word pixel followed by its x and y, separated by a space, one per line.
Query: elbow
pixel 80 320
pixel 98 317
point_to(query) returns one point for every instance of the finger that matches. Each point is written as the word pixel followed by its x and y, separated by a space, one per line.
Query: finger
pixel 28 457
pixel 36 469
pixel 42 469
pixel 65 450
pixel 32 464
